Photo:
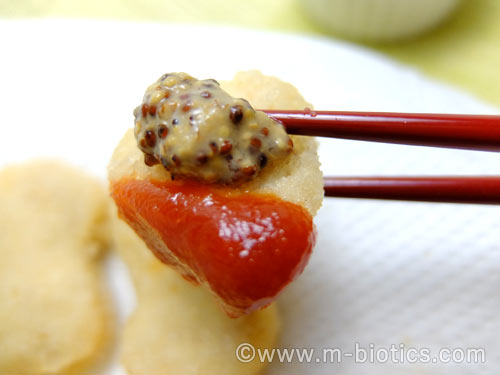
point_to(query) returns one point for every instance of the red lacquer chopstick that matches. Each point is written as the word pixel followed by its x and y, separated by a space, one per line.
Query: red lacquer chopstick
pixel 452 189
pixel 471 132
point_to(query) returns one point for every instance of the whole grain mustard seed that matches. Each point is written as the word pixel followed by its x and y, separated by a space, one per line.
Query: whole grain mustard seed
pixel 236 114
pixel 202 159
pixel 150 138
pixel 162 131
pixel 176 160
pixel 226 147
pixel 256 142
pixel 262 160
pixel 150 160
pixel 198 131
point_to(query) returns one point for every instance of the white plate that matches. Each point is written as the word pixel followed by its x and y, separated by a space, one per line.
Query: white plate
pixel 413 274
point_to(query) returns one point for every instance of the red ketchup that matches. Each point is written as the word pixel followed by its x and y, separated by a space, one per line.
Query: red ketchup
pixel 246 247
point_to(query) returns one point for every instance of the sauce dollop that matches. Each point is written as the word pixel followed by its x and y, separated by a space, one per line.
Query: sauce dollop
pixel 246 247
pixel 198 131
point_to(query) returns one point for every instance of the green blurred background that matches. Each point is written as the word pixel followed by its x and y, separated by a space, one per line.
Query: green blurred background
pixel 465 51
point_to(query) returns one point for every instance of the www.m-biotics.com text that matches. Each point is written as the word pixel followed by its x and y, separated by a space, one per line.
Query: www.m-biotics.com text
pixel 370 353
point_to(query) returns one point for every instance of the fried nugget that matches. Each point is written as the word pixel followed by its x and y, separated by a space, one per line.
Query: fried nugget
pixel 177 327
pixel 53 231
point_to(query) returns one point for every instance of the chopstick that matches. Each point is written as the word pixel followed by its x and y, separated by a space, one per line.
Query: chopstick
pixel 470 132
pixel 451 189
